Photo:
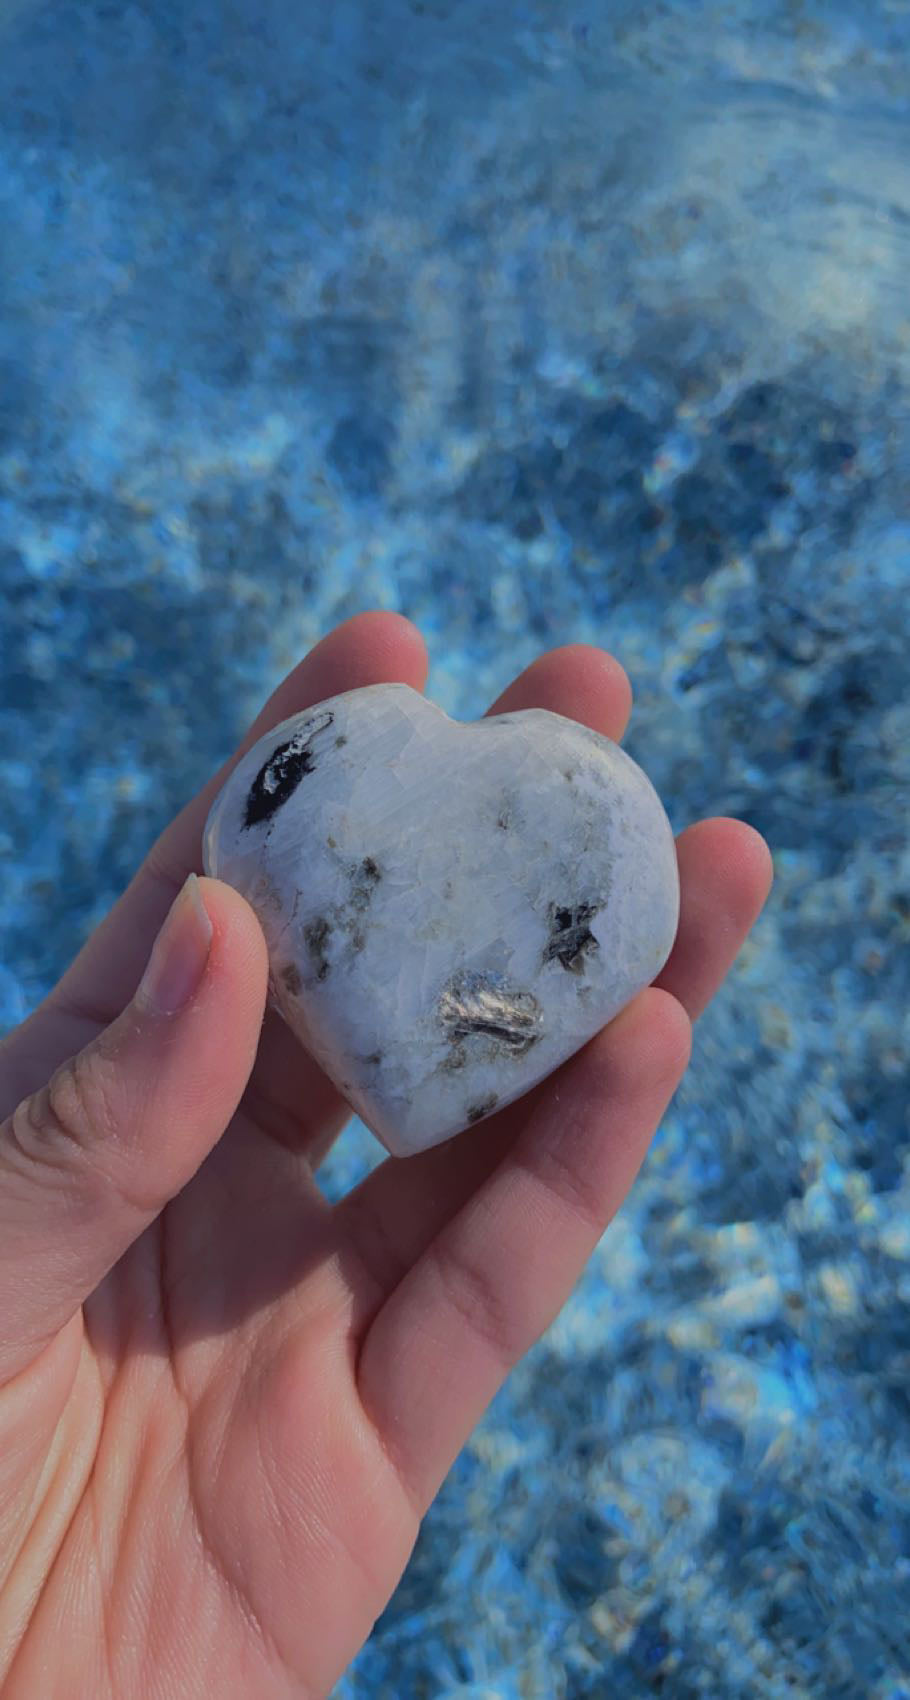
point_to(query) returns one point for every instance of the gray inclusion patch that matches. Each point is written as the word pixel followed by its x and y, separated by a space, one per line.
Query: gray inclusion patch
pixel 571 938
pixel 317 935
pixel 485 1005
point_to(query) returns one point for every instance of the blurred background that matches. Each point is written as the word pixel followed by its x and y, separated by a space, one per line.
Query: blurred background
pixel 539 322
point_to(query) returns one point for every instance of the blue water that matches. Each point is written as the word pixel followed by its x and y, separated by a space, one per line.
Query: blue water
pixel 538 322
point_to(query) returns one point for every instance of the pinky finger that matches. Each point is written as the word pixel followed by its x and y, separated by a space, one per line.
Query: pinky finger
pixel 496 1275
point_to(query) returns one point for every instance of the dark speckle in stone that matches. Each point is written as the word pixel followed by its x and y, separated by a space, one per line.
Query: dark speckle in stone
pixel 341 740
pixel 455 1059
pixel 505 819
pixel 292 978
pixel 485 1108
pixel 571 939
pixel 279 777
pixel 366 877
pixel 475 1005
pixel 316 935
pixel 374 1059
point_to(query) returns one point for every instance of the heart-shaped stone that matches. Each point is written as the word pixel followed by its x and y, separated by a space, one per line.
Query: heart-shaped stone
pixel 451 908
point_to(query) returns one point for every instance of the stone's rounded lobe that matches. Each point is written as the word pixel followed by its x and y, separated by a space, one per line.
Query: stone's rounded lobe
pixel 451 908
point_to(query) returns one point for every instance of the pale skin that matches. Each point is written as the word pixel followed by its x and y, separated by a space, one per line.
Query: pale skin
pixel 225 1406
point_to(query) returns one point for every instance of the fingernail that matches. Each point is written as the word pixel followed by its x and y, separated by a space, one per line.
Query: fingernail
pixel 179 954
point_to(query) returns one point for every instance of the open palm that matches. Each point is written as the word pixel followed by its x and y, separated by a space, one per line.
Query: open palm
pixel 225 1404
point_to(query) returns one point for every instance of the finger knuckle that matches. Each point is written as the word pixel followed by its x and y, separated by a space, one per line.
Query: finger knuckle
pixel 470 1291
pixel 566 1170
pixel 60 1128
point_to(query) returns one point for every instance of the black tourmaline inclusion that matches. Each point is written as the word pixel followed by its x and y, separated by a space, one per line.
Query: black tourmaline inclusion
pixel 280 776
pixel 571 937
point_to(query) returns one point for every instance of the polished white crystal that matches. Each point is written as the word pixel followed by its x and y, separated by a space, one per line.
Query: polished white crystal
pixel 451 908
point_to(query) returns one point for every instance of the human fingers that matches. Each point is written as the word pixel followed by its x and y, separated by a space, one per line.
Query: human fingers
pixel 397 1210
pixel 577 680
pixel 495 1275
pixel 725 875
pixel 89 1159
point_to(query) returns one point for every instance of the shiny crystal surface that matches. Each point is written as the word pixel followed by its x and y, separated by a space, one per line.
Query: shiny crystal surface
pixel 451 910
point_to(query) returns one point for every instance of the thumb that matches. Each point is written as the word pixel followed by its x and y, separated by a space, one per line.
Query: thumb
pixel 89 1160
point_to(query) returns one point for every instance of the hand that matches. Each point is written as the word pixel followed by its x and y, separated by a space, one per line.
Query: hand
pixel 224 1404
